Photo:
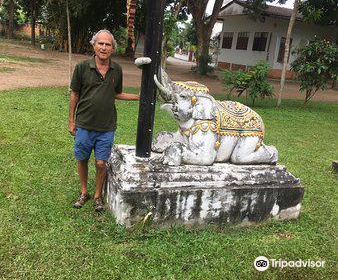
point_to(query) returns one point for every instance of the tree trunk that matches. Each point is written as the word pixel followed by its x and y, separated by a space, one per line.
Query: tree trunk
pixel 204 28
pixel 11 9
pixel 131 10
pixel 203 54
pixel 177 8
pixel 69 42
pixel 33 21
pixel 129 52
pixel 286 51
pixel 164 53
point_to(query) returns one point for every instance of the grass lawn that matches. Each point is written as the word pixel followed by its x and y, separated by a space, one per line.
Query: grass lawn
pixel 6 69
pixel 42 237
pixel 22 58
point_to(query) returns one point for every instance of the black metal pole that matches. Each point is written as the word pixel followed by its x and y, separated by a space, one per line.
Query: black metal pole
pixel 152 49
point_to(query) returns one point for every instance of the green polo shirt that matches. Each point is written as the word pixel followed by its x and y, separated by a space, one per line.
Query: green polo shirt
pixel 96 108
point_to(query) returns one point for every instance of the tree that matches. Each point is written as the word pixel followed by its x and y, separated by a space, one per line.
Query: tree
pixel 8 16
pixel 175 11
pixel 255 8
pixel 87 17
pixel 11 11
pixel 170 28
pixel 322 12
pixel 316 64
pixel 189 33
pixel 204 26
pixel 287 48
pixel 32 9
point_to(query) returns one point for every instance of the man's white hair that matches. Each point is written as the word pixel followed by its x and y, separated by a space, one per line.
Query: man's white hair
pixel 93 40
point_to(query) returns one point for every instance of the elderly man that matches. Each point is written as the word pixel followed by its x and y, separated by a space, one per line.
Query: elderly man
pixel 95 85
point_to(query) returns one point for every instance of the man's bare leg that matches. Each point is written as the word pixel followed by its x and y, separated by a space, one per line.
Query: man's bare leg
pixel 82 167
pixel 100 176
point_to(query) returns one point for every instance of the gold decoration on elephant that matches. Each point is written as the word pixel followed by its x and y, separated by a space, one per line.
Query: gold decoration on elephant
pixel 217 145
pixel 233 119
pixel 193 100
pixel 194 86
pixel 204 126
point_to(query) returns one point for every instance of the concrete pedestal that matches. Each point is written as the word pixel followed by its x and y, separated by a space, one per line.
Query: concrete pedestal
pixel 198 195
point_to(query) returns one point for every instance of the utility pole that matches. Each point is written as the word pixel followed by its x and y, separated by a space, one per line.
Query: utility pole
pixel 152 49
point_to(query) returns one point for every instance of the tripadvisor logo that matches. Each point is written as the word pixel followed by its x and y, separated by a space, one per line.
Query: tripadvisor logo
pixel 262 263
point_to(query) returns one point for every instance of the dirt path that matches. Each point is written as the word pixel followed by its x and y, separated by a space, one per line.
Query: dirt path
pixel 54 72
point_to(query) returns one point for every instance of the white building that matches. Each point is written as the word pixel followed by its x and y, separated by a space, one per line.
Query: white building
pixel 243 42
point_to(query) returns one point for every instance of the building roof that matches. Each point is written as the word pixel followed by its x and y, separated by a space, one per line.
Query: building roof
pixel 280 12
pixel 272 11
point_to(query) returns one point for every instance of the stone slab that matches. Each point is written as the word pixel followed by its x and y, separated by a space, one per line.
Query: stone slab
pixel 198 195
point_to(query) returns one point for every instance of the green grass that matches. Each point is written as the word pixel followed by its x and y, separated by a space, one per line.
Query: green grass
pixel 42 237
pixel 6 69
pixel 24 58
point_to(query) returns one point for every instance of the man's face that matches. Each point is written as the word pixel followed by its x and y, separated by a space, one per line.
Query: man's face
pixel 103 46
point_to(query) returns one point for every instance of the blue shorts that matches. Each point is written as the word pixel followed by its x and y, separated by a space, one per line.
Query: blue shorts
pixel 87 140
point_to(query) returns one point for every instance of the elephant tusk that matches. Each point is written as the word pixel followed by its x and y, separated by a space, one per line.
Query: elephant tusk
pixel 167 95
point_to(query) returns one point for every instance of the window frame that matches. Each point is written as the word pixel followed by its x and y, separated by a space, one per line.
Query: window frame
pixel 244 40
pixel 229 42
pixel 259 41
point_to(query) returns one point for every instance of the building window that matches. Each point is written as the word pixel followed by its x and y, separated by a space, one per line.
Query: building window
pixel 227 40
pixel 242 40
pixel 282 50
pixel 260 40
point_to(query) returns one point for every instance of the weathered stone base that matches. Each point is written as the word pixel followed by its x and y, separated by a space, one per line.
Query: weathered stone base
pixel 197 195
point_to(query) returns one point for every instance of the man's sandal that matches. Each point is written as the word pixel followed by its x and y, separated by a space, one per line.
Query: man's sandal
pixel 82 199
pixel 98 204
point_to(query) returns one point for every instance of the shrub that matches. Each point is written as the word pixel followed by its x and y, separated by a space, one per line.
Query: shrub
pixel 316 65
pixel 121 37
pixel 254 82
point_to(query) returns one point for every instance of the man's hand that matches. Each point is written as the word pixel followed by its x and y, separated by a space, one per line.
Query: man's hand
pixel 71 128
pixel 127 96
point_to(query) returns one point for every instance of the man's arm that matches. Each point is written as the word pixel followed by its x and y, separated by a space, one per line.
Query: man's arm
pixel 127 96
pixel 74 99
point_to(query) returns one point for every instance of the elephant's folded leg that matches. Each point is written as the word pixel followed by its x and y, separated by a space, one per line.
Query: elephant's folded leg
pixel 198 158
pixel 245 152
pixel 165 139
pixel 200 149
pixel 226 148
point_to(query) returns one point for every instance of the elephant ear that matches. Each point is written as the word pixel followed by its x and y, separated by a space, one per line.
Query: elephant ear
pixel 203 109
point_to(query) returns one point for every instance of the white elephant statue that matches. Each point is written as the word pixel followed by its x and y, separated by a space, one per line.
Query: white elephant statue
pixel 209 130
